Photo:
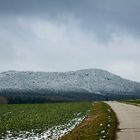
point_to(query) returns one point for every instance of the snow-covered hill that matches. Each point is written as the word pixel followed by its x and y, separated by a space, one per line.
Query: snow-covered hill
pixel 93 81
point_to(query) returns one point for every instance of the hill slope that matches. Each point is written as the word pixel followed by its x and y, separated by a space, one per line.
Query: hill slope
pixel 89 83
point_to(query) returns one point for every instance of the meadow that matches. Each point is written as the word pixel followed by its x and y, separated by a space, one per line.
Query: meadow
pixel 26 120
pixel 133 102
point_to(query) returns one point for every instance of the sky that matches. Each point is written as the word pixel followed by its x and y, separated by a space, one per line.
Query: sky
pixel 65 35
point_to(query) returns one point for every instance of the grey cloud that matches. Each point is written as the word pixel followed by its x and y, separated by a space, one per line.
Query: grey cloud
pixel 100 16
pixel 59 35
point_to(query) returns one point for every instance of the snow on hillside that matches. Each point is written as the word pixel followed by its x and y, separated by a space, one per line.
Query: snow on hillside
pixel 91 80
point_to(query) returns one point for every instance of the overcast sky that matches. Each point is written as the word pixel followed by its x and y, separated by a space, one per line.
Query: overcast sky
pixel 64 35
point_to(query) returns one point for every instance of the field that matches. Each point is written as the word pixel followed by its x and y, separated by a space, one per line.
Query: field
pixel 134 102
pixel 33 120
pixel 53 121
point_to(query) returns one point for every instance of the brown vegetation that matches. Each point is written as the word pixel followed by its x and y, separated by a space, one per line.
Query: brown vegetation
pixel 100 124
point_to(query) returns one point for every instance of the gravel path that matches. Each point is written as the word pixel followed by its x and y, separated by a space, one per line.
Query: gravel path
pixel 129 120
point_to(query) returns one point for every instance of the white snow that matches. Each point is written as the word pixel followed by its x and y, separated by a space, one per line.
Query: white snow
pixel 91 80
pixel 101 124
pixel 103 131
pixel 53 133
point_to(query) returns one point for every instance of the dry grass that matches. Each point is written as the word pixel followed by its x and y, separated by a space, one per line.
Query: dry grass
pixel 100 124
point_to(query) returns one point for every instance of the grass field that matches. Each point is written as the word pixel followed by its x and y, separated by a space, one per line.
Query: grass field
pixel 29 119
pixel 101 124
pixel 134 102
pixel 51 121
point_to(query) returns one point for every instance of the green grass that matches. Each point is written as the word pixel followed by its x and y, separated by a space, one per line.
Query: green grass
pixel 38 117
pixel 101 124
pixel 134 102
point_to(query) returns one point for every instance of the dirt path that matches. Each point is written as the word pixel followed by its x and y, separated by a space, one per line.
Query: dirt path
pixel 129 120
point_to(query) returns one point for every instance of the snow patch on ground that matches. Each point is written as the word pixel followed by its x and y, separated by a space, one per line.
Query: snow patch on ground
pixel 53 133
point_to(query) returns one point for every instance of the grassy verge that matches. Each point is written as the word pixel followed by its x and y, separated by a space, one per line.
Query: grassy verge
pixel 133 102
pixel 101 124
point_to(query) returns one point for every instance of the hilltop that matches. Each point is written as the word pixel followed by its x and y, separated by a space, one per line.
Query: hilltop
pixel 72 85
